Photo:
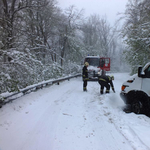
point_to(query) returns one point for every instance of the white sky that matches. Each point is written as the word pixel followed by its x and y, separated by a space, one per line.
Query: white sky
pixel 108 8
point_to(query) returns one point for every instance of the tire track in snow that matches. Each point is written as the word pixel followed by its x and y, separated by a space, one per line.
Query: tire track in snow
pixel 126 130
pixel 131 136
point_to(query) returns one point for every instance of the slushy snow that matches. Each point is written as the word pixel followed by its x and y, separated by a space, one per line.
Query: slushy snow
pixel 63 117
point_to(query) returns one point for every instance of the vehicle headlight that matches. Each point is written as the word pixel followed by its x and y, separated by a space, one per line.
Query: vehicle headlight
pixel 123 87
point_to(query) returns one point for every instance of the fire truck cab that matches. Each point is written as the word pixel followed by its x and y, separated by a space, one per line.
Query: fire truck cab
pixel 96 64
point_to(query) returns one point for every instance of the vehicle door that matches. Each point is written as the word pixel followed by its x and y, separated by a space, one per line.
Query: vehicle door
pixel 105 63
pixel 146 81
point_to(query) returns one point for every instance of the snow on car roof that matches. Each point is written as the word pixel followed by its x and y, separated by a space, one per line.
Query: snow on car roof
pixel 92 57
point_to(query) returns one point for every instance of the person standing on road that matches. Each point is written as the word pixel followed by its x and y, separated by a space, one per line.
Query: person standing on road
pixel 106 81
pixel 85 75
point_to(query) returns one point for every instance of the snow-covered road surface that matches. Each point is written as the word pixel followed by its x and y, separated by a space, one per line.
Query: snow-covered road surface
pixel 63 117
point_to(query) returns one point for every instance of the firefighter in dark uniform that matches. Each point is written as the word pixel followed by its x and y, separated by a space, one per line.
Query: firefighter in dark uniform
pixel 85 75
pixel 106 81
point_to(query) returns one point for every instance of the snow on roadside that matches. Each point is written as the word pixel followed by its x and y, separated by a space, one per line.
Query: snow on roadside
pixel 66 118
pixel 135 128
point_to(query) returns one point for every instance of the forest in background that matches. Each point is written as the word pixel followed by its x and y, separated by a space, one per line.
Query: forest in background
pixel 136 33
pixel 40 41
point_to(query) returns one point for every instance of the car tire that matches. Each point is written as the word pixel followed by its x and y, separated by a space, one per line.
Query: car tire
pixel 139 102
pixel 136 107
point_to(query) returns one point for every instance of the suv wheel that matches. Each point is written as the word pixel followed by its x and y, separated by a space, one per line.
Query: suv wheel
pixel 136 107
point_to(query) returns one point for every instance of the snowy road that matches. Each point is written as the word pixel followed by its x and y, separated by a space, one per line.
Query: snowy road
pixel 63 117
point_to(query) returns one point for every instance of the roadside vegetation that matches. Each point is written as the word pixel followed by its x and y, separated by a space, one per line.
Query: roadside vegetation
pixel 40 41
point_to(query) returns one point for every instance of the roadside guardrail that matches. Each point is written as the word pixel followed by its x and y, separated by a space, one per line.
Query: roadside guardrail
pixel 6 98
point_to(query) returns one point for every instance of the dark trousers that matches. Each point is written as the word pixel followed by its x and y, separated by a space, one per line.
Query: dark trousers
pixel 104 84
pixel 84 84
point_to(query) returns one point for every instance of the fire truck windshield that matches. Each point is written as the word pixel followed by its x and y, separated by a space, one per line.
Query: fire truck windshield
pixel 93 61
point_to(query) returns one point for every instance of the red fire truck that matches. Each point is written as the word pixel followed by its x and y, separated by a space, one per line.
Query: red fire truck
pixel 96 64
pixel 105 63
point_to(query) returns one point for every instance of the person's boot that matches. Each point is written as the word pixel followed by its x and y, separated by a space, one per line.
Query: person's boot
pixel 107 91
pixel 101 91
pixel 84 89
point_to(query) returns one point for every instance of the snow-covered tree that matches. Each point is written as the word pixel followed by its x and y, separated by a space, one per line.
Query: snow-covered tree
pixel 101 39
pixel 137 32
pixel 39 41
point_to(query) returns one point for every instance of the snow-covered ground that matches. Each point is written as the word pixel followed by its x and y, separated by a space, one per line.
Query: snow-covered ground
pixel 63 117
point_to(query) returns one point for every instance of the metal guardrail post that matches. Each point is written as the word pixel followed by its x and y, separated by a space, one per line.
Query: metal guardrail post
pixel 9 98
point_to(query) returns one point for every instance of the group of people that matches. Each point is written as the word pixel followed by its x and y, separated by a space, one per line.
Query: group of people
pixel 104 80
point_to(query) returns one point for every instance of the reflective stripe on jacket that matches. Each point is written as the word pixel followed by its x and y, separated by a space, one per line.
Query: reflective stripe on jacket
pixel 106 79
pixel 85 72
